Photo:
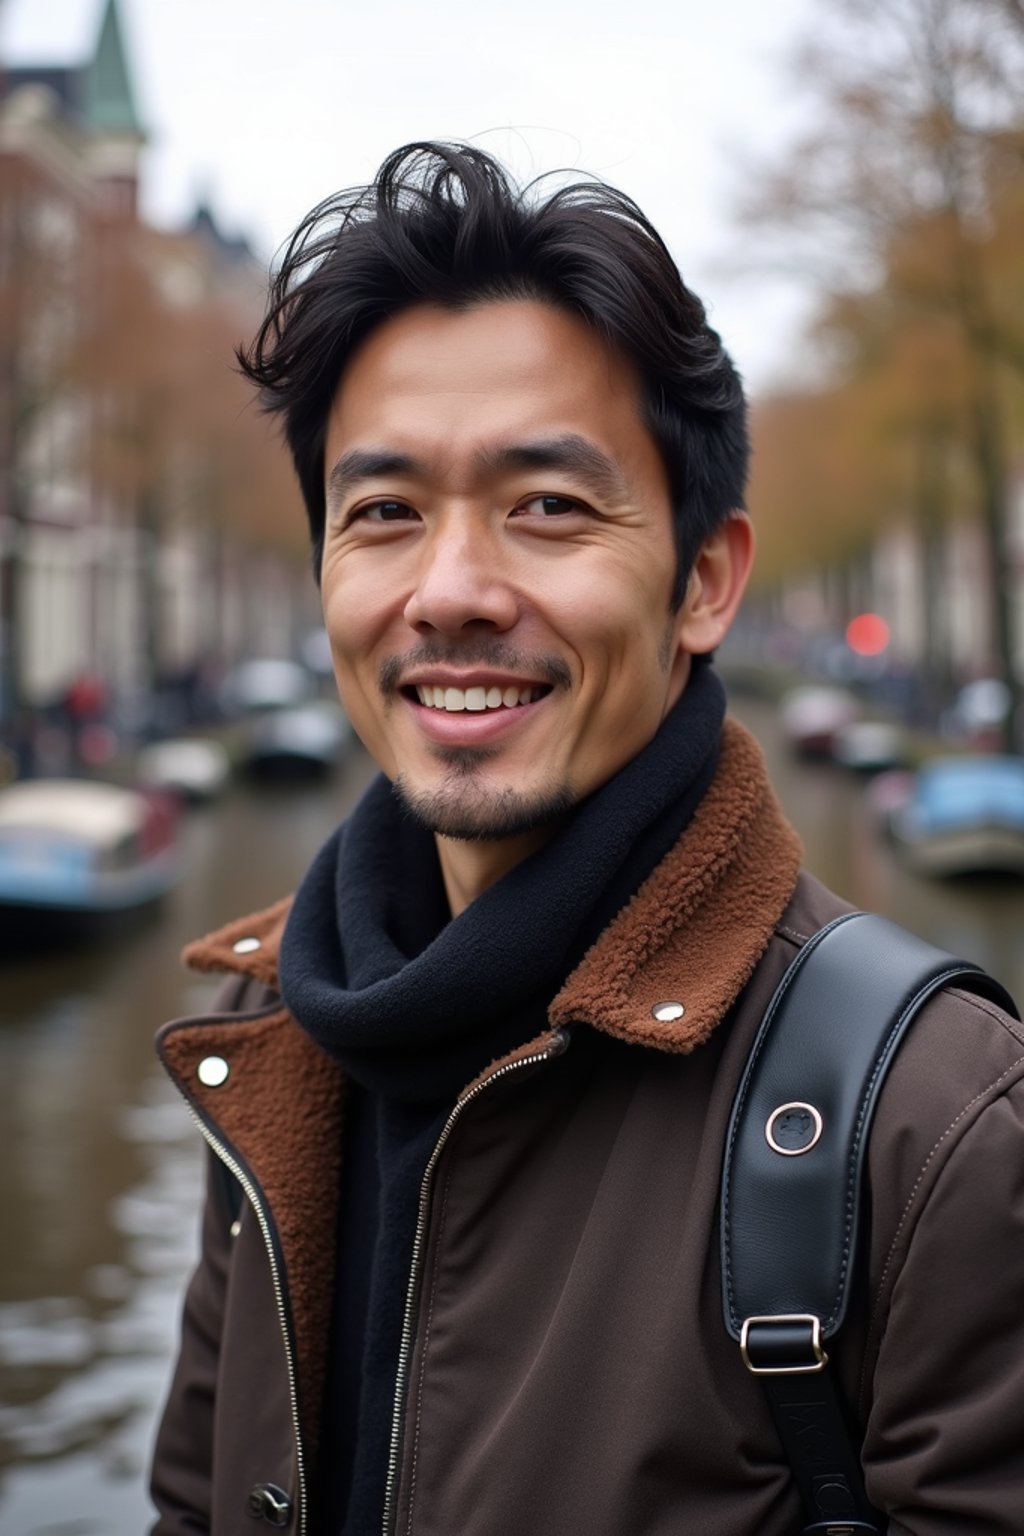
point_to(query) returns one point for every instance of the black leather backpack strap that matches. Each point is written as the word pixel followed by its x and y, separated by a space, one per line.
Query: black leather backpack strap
pixel 792 1176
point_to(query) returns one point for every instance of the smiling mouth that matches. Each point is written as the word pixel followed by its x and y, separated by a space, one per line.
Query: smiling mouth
pixel 476 700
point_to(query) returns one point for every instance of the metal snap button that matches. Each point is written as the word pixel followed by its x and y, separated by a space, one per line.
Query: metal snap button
pixel 667 1013
pixel 212 1071
pixel 247 946
pixel 268 1502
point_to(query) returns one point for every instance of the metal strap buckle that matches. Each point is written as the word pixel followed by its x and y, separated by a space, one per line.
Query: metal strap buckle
pixel 817 1358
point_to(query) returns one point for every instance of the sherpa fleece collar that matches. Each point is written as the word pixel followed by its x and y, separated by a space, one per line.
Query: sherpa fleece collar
pixel 691 935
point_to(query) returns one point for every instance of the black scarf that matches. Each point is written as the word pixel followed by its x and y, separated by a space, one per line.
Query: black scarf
pixel 415 1004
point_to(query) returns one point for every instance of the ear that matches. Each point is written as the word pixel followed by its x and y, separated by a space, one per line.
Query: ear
pixel 716 585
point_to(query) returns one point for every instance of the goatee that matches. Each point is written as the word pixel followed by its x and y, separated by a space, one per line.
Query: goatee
pixel 470 812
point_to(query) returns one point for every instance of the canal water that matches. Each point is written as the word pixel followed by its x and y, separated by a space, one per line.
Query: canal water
pixel 99 1182
pixel 100 1178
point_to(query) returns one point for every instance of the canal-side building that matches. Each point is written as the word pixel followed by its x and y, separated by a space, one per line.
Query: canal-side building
pixel 125 555
pixel 70 142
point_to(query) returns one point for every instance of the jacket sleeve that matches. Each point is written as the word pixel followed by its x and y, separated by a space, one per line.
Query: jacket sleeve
pixel 181 1481
pixel 944 1451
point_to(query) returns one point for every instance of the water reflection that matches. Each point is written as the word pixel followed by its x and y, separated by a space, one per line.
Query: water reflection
pixel 99 1202
pixel 103 1215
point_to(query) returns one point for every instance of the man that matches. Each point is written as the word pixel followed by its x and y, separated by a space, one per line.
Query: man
pixel 474 1081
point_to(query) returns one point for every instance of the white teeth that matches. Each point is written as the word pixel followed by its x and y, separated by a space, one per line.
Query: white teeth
pixel 475 699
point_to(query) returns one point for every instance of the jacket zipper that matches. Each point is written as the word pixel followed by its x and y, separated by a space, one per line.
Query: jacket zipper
pixel 275 1273
pixel 558 1045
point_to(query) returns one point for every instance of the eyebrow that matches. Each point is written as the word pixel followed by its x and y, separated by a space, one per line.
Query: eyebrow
pixel 569 452
pixel 367 464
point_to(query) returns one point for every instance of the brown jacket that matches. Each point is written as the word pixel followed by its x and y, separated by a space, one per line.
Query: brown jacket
pixel 565 1369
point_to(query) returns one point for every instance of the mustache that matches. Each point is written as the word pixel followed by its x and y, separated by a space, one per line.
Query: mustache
pixel 480 651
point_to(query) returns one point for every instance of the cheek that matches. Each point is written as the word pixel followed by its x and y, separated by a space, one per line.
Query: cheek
pixel 624 639
pixel 350 633
pixel 355 676
pixel 632 672
pixel 353 616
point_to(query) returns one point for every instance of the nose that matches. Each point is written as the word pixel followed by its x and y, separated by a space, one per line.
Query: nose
pixel 461 581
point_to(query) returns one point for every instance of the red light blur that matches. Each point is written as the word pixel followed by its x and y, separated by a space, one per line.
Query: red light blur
pixel 867 634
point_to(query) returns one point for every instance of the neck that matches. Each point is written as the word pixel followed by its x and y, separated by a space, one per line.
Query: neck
pixel 469 868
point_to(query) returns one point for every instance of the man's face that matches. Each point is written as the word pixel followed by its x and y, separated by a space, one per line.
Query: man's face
pixel 498 562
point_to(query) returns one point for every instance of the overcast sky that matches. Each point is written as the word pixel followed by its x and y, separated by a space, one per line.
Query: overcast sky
pixel 267 107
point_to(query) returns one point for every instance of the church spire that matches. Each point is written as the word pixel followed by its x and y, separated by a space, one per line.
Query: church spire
pixel 109 99
pixel 108 106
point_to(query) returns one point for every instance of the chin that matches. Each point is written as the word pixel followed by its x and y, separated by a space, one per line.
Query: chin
pixel 472 813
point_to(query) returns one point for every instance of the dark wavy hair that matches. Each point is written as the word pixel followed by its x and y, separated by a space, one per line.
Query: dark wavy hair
pixel 445 224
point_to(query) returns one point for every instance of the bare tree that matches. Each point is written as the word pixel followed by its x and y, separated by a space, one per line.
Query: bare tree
pixel 915 144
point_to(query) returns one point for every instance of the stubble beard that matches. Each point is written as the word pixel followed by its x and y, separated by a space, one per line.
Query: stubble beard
pixel 467 809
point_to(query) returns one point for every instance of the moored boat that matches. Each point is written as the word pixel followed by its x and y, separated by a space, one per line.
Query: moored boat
pixel 75 854
pixel 813 716
pixel 307 741
pixel 192 767
pixel 962 815
pixel 870 746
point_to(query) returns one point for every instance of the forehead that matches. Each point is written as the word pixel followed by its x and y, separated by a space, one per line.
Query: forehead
pixel 453 381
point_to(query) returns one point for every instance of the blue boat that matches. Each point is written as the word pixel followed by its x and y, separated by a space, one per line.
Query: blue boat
pixel 75 853
pixel 963 815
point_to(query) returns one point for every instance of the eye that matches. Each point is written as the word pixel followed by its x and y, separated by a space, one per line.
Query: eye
pixel 548 506
pixel 383 511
